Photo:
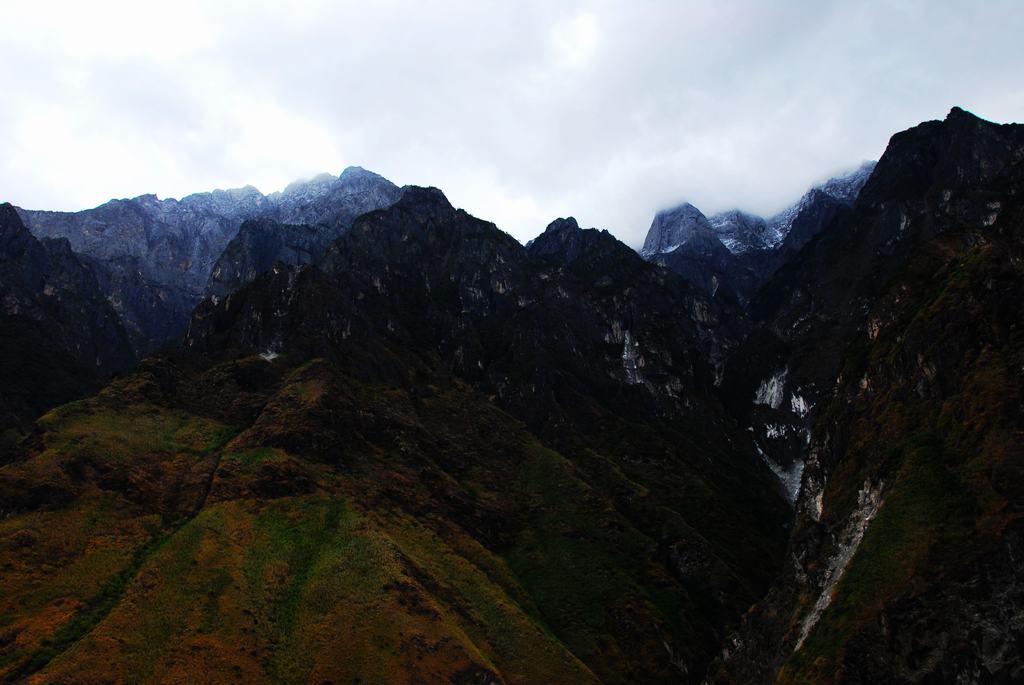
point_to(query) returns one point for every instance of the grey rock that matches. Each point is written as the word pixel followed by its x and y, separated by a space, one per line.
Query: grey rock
pixel 154 258
pixel 675 227
pixel 307 217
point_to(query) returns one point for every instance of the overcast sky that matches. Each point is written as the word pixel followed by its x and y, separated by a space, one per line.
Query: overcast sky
pixel 520 111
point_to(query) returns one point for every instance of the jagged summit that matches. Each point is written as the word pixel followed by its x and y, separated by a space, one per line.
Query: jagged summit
pixel 733 251
pixel 157 258
pixel 672 228
pixel 957 113
pixel 566 224
pixel 565 242
pixel 842 189
pixel 321 183
pixel 741 232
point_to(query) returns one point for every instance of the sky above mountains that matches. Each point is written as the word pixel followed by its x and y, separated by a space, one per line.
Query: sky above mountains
pixel 520 111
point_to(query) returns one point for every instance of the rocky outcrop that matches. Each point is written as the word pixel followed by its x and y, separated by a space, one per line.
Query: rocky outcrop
pixel 259 244
pixel 332 202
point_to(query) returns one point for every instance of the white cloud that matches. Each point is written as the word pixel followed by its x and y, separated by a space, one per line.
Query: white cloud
pixel 574 41
pixel 520 111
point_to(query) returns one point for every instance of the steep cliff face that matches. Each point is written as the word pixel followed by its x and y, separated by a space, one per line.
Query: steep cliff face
pixel 59 338
pixel 258 245
pixel 333 202
pixel 673 228
pixel 475 295
pixel 156 254
pixel 154 258
pixel 899 328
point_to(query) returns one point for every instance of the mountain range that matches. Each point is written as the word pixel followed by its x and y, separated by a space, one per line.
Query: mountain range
pixel 349 433
pixel 155 259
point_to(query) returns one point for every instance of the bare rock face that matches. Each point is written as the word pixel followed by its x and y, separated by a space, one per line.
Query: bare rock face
pixel 308 217
pixel 741 232
pixel 683 240
pixel 673 228
pixel 154 258
pixel 331 201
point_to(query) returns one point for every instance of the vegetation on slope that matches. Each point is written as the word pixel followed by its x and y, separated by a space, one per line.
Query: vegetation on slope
pixel 414 539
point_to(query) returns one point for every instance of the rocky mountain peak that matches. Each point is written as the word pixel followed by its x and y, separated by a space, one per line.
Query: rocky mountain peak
pixel 564 240
pixel 963 151
pixel 846 187
pixel 156 259
pixel 960 115
pixel 842 190
pixel 426 197
pixel 427 206
pixel 566 224
pixel 733 252
pixel 357 173
pixel 674 227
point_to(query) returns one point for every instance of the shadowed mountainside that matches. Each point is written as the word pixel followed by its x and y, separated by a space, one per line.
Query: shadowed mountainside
pixel 59 338
pixel 900 329
pixel 435 456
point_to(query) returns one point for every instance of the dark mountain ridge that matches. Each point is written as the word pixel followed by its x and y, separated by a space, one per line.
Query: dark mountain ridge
pixel 60 338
